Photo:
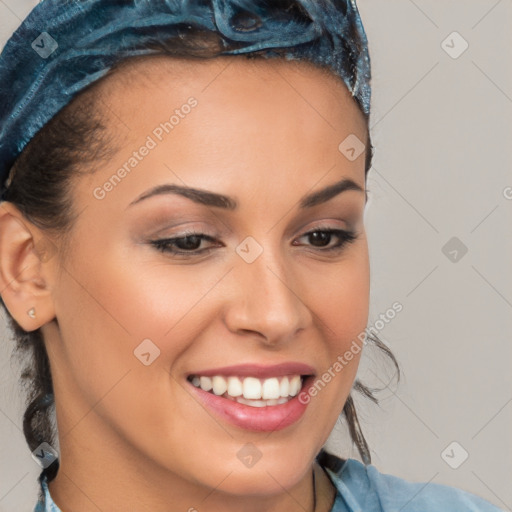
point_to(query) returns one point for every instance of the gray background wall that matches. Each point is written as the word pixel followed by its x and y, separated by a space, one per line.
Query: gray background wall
pixel 441 127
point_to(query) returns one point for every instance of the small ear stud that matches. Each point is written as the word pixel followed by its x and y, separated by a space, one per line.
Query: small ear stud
pixel 31 312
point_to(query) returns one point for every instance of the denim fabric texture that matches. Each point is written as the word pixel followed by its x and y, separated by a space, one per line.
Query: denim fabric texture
pixel 65 45
pixel 363 488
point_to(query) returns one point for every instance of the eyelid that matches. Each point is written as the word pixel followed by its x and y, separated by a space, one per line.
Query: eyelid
pixel 324 225
pixel 188 229
pixel 168 245
pixel 327 224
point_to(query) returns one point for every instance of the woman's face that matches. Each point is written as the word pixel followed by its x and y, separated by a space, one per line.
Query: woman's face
pixel 136 322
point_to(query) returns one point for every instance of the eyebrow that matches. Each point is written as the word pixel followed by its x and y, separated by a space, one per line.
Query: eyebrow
pixel 207 198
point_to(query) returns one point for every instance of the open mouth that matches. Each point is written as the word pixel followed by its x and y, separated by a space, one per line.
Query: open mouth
pixel 252 391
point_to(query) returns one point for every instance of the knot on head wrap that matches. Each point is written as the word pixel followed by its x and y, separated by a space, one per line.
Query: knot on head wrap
pixel 65 45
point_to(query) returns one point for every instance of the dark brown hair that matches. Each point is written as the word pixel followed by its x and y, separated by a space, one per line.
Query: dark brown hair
pixel 40 187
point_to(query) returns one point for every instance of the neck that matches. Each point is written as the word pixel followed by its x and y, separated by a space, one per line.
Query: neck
pixel 93 477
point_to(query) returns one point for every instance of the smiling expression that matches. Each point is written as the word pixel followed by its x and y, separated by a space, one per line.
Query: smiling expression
pixel 268 272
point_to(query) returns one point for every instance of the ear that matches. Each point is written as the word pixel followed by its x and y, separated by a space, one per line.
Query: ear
pixel 25 259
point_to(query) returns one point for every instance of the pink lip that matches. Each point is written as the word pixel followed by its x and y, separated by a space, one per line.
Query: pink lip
pixel 260 419
pixel 257 370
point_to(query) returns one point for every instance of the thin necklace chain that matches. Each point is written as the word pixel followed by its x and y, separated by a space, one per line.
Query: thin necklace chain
pixel 314 491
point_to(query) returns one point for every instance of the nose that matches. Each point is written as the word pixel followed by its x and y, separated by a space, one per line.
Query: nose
pixel 267 300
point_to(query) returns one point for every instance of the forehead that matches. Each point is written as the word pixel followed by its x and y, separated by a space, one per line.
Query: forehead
pixel 240 100
pixel 256 128
pixel 224 75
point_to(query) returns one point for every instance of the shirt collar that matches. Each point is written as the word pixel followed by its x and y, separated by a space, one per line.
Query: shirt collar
pixel 344 501
pixel 45 503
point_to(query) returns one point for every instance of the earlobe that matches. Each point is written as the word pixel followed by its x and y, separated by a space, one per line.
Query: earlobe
pixel 24 274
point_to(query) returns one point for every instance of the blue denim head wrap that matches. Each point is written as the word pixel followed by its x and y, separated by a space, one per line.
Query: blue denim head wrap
pixel 65 45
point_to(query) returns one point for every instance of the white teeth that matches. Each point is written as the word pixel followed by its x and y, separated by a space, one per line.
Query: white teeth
pixel 284 387
pixel 295 385
pixel 220 385
pixel 270 389
pixel 206 383
pixel 253 403
pixel 235 386
pixel 252 388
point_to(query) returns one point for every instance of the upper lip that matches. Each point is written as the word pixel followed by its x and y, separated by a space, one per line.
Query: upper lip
pixel 259 370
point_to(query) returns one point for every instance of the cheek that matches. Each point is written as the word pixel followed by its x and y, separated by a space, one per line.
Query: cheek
pixel 120 301
pixel 116 304
pixel 124 307
pixel 338 293
pixel 339 296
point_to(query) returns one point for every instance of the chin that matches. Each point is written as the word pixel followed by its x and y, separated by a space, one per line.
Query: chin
pixel 263 481
pixel 274 471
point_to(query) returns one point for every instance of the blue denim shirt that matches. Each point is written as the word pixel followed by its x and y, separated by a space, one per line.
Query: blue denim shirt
pixel 364 489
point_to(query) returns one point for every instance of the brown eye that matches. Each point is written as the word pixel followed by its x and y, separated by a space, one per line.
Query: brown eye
pixel 188 244
pixel 321 238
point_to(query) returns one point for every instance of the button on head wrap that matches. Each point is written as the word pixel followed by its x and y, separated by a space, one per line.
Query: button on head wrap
pixel 65 45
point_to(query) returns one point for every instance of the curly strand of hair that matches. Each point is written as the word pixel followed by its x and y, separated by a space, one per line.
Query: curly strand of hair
pixel 37 381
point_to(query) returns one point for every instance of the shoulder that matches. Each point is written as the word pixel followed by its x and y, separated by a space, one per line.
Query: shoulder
pixel 365 488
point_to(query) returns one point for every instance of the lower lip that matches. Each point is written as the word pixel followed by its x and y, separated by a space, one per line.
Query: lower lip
pixel 260 419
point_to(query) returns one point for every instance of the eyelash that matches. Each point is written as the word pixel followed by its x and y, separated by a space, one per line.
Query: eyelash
pixel 166 245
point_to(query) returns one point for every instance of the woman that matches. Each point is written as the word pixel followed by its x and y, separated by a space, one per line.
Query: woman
pixel 182 248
